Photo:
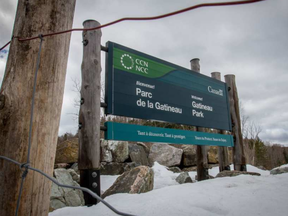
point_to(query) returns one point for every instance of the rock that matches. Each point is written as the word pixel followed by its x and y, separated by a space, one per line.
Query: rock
pixel 56 204
pixel 67 151
pixel 56 193
pixel 147 150
pixel 232 173
pixel 74 175
pixel 61 165
pixel 279 170
pixel 138 154
pixel 114 151
pixel 184 178
pixel 72 197
pixel 106 154
pixel 189 156
pixel 129 166
pixel 137 180
pixel 261 167
pixel 213 155
pixel 116 168
pixel 190 169
pixel 165 155
pixel 174 169
pixel 75 168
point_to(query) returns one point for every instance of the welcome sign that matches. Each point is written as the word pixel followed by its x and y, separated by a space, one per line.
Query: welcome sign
pixel 145 87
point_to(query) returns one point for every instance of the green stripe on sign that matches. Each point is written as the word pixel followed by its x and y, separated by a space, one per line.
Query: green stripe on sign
pixel 136 64
pixel 139 133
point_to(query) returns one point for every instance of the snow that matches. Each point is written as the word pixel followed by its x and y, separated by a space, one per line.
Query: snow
pixel 107 180
pixel 263 195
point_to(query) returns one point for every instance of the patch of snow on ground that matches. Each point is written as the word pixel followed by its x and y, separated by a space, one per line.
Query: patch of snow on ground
pixel 235 196
pixel 163 177
pixel 106 181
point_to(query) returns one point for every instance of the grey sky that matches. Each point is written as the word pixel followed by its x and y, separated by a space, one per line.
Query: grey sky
pixel 249 41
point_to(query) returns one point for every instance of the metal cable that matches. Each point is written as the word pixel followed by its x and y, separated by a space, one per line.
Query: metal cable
pixel 68 186
pixel 142 18
pixel 26 165
pixel 33 98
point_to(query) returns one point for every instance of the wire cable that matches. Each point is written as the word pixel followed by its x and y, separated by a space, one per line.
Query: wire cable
pixel 215 4
pixel 67 186
pixel 33 98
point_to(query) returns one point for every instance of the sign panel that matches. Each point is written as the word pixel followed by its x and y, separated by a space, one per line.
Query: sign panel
pixel 142 86
pixel 139 133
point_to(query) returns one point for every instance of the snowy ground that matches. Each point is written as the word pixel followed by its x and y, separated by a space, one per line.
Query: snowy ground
pixel 263 195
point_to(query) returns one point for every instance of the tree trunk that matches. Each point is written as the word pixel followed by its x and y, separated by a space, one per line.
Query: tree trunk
pixel 238 150
pixel 202 159
pixel 89 115
pixel 33 18
pixel 222 151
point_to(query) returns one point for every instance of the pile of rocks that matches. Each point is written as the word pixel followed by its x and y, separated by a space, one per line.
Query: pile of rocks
pixel 61 197
pixel 133 161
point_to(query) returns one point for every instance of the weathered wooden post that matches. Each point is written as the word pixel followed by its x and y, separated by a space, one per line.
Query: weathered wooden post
pixel 33 18
pixel 238 151
pixel 222 151
pixel 202 159
pixel 89 115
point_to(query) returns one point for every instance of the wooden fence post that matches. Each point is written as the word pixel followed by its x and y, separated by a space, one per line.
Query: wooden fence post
pixel 33 18
pixel 238 151
pixel 222 151
pixel 89 115
pixel 202 159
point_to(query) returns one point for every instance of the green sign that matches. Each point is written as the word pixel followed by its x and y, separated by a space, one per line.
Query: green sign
pixel 145 87
pixel 129 132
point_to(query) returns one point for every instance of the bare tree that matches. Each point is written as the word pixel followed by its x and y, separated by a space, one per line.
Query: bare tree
pixel 244 120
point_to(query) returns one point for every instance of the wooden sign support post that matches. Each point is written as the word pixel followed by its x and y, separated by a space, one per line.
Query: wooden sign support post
pixel 238 151
pixel 202 159
pixel 89 115
pixel 222 151
pixel 33 18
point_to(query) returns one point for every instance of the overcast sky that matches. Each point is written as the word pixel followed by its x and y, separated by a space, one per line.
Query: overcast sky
pixel 250 41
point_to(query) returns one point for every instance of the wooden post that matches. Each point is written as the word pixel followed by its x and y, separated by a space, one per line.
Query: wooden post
pixel 222 151
pixel 202 159
pixel 33 18
pixel 89 115
pixel 238 152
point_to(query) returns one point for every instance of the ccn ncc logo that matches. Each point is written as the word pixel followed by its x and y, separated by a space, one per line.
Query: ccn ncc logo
pixel 128 62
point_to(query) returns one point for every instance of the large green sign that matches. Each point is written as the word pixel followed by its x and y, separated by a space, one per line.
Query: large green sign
pixel 142 86
pixel 129 132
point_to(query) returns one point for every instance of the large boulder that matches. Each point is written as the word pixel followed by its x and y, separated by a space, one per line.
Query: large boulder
pixel 213 155
pixel 67 151
pixel 114 151
pixel 279 170
pixel 56 198
pixel 233 173
pixel 137 180
pixel 138 154
pixel 184 178
pixel 61 197
pixel 114 168
pixel 189 156
pixel 165 155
